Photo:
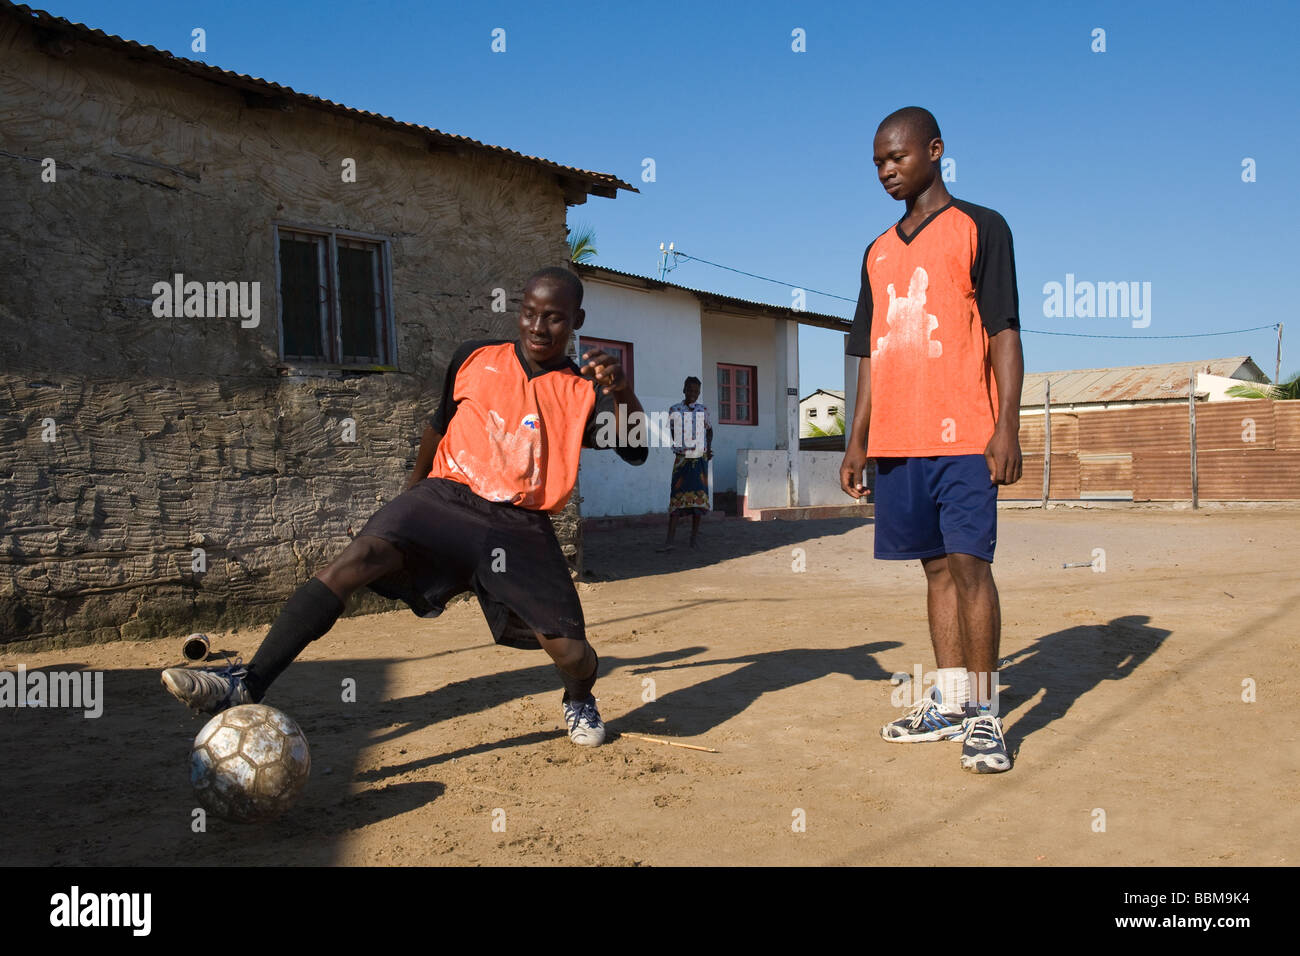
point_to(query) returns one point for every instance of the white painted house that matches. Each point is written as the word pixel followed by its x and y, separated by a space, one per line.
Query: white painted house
pixel 746 355
pixel 824 410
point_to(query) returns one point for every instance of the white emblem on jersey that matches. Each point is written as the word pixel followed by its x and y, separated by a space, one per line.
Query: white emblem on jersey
pixel 910 327
pixel 530 421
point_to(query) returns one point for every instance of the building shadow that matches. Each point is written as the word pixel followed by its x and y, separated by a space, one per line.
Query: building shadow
pixel 115 790
pixel 615 554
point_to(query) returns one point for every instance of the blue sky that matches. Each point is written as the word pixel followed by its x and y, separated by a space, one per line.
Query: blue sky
pixel 1115 166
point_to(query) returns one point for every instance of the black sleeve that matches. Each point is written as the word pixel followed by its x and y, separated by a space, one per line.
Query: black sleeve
pixel 440 419
pixel 604 411
pixel 859 342
pixel 993 272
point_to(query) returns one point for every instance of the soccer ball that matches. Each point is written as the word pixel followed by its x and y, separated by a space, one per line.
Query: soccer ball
pixel 249 763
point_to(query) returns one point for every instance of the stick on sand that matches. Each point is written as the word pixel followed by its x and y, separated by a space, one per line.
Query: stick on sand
pixel 670 743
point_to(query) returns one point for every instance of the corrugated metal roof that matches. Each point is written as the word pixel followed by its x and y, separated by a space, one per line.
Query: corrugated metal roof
pixel 1135 383
pixel 275 95
pixel 803 318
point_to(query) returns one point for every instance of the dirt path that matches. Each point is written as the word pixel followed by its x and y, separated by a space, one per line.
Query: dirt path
pixel 1123 694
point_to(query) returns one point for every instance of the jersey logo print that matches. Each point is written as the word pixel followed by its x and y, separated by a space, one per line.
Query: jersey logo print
pixel 910 327
pixel 514 459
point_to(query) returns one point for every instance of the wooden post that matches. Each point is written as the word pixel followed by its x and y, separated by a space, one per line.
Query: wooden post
pixel 1277 366
pixel 1047 443
pixel 1191 417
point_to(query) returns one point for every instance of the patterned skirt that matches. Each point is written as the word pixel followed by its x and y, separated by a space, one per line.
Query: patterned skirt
pixel 690 486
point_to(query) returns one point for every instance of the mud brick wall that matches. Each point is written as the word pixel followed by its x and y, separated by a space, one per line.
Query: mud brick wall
pixel 179 433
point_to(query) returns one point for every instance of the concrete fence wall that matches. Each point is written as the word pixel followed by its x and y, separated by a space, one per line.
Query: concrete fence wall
pixel 765 479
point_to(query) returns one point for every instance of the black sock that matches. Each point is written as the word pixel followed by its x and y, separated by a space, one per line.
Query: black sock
pixel 579 688
pixel 307 615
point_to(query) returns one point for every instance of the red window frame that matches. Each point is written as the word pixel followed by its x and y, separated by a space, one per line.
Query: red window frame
pixel 614 348
pixel 728 387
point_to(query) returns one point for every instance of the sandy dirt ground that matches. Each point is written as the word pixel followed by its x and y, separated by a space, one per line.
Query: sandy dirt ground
pixel 1122 694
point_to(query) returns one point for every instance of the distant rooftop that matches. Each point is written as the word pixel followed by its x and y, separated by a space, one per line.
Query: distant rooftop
pixel 1134 383
pixel 823 391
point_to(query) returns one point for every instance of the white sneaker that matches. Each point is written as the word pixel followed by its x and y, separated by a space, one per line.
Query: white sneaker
pixel 983 748
pixel 585 726
pixel 923 722
pixel 208 691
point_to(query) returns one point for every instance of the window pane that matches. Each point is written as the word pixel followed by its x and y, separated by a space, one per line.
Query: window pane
pixel 726 409
pixel 742 412
pixel 742 394
pixel 301 296
pixel 724 376
pixel 742 376
pixel 359 302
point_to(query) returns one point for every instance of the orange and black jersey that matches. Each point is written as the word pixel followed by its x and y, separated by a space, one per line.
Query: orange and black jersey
pixel 514 435
pixel 928 304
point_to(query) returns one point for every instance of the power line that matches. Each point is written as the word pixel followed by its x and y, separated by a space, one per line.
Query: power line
pixel 1074 335
pixel 788 285
pixel 1190 335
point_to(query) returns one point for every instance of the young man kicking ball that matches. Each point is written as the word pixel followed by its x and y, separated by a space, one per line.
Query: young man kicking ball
pixel 500 454
pixel 938 407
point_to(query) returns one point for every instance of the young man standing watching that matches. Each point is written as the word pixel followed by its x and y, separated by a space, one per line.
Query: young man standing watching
pixel 938 407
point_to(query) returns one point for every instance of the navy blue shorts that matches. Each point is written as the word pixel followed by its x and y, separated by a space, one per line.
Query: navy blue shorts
pixel 926 507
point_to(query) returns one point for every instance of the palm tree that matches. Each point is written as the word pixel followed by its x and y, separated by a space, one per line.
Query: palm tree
pixel 1286 391
pixel 834 431
pixel 582 244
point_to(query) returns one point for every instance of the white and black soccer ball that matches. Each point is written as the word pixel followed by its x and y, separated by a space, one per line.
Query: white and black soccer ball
pixel 249 763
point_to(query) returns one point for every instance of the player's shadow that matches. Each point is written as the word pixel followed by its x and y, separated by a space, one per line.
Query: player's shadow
pixel 703 705
pixel 1066 664
pixel 406 715
pixel 621 553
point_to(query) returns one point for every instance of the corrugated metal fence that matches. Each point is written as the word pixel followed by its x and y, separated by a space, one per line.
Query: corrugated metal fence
pixel 1245 451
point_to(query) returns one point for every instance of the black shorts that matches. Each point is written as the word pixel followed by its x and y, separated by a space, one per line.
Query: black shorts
pixel 454 541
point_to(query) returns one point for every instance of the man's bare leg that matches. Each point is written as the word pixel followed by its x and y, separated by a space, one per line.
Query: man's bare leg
pixel 578 665
pixel 980 618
